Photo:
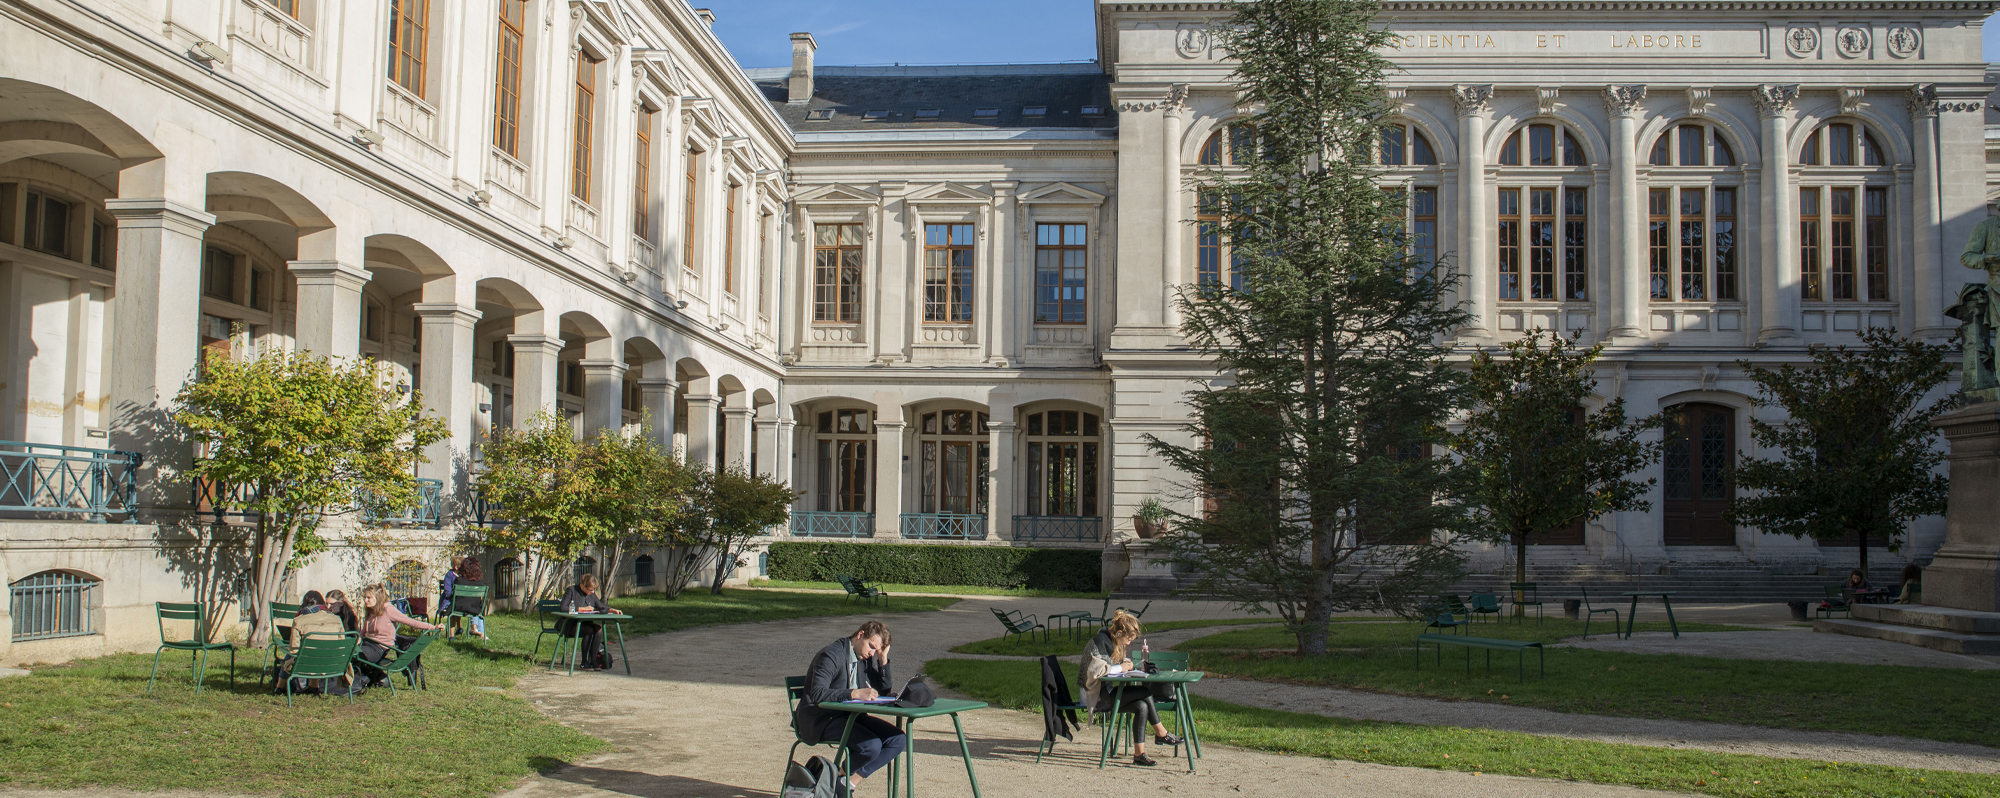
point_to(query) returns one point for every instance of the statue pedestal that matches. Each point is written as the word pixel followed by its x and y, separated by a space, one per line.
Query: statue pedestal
pixel 1151 574
pixel 1966 571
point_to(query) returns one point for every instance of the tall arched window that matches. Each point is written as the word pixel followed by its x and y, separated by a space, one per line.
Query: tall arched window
pixel 845 449
pixel 1236 148
pixel 953 450
pixel 52 604
pixel 1691 221
pixel 1543 216
pixel 1696 485
pixel 1405 145
pixel 1064 450
pixel 642 571
pixel 1844 215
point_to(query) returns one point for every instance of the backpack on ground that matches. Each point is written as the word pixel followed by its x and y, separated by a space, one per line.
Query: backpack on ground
pixel 815 779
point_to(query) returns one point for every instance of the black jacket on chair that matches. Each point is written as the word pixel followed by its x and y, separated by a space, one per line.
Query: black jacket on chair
pixel 1055 693
pixel 826 681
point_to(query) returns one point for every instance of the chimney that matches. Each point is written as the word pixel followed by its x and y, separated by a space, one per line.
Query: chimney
pixel 800 88
pixel 707 16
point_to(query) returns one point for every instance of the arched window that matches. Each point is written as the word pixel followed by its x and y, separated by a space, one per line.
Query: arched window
pixel 1691 222
pixel 52 604
pixel 846 454
pixel 642 571
pixel 1236 148
pixel 1692 144
pixel 1064 450
pixel 953 449
pixel 1405 145
pixel 405 579
pixel 1543 144
pixel 507 579
pixel 1844 216
pixel 1698 491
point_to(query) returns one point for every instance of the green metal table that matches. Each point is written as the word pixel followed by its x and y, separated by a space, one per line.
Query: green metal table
pixel 615 619
pixel 1666 597
pixel 906 720
pixel 1180 680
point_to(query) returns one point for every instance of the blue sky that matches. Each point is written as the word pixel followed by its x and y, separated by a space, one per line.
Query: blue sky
pixel 852 32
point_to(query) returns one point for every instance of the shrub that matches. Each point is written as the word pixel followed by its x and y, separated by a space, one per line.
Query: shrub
pixel 978 566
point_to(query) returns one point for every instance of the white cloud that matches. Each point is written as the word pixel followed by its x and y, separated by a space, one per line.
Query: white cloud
pixel 842 28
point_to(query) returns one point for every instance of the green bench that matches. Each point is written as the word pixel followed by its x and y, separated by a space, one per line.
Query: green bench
pixel 1491 645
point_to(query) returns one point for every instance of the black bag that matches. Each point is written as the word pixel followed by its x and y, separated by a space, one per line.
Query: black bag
pixel 917 693
pixel 815 779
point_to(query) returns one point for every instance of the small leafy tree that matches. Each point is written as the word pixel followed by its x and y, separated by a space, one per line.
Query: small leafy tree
pixel 1858 455
pixel 725 509
pixel 640 488
pixel 1330 335
pixel 1540 461
pixel 290 438
pixel 535 474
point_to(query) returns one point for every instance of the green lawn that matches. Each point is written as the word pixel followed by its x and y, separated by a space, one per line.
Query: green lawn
pixel 1062 644
pixel 92 723
pixel 1869 699
pixel 957 590
pixel 1017 684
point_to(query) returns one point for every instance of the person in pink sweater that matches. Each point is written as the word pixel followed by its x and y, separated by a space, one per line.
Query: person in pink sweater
pixel 378 628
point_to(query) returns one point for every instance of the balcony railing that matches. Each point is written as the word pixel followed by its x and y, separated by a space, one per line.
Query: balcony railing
pixel 1081 528
pixel 428 512
pixel 72 480
pixel 944 526
pixel 486 513
pixel 210 498
pixel 833 525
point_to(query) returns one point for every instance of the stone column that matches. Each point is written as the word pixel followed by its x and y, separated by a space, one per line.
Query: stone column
pixel 889 479
pixel 445 382
pixel 782 465
pixel 1965 573
pixel 155 336
pixel 766 459
pixel 701 428
pixel 329 310
pixel 1629 316
pixel 1173 121
pixel 1930 299
pixel 1778 216
pixel 736 432
pixel 656 394
pixel 1001 480
pixel 1475 249
pixel 603 394
pixel 535 364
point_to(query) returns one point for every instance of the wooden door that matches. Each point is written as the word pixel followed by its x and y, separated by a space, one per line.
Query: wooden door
pixel 1701 443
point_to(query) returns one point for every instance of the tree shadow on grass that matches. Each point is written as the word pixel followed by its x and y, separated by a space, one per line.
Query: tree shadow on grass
pixel 641 785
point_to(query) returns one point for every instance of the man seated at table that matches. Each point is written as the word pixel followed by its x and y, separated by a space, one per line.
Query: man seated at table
pixel 853 668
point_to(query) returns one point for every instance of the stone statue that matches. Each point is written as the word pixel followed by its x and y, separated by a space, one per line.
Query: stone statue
pixel 1979 308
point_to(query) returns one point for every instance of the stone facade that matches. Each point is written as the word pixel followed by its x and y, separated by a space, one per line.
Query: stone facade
pixel 936 298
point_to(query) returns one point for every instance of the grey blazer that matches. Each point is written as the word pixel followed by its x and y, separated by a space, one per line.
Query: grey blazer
pixel 826 680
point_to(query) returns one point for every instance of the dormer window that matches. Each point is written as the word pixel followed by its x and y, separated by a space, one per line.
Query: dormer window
pixel 929 113
pixel 1035 110
pixel 1093 110
pixel 985 113
pixel 819 115
pixel 876 114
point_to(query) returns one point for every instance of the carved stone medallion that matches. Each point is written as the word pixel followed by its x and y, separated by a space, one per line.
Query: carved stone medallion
pixel 1851 42
pixel 1802 41
pixel 1904 41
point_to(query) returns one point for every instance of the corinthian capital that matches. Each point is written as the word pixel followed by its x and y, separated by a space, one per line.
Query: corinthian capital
pixel 1923 100
pixel 1472 99
pixel 1177 98
pixel 1623 100
pixel 1775 99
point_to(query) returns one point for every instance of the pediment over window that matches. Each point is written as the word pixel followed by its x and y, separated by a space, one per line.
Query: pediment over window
pixel 950 193
pixel 838 194
pixel 1063 194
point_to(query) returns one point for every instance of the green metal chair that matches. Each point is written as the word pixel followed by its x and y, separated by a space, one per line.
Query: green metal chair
pixel 1018 625
pixel 1171 661
pixel 795 689
pixel 323 655
pixel 1442 620
pixel 1138 613
pixel 1456 606
pixel 1526 595
pixel 1485 604
pixel 1589 613
pixel 1048 744
pixel 480 592
pixel 544 609
pixel 196 645
pixel 281 636
pixel 1836 601
pixel 406 661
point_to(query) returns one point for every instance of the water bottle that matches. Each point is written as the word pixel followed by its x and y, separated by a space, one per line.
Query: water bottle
pixel 1145 652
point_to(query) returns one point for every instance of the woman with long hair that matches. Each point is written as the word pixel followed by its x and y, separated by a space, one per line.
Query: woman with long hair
pixel 378 628
pixel 583 598
pixel 336 603
pixel 1109 652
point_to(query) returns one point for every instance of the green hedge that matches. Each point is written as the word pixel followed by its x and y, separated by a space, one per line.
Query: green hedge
pixel 980 566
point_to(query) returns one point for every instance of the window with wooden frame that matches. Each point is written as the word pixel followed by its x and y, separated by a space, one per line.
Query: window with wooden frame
pixel 1508 237
pixel 1404 145
pixel 1552 239
pixel 1061 274
pixel 642 175
pixel 764 291
pixel 1064 449
pixel 1423 221
pixel 584 130
pixel 48 223
pixel 290 7
pixel 218 274
pixel 1692 145
pixel 1842 144
pixel 509 53
pixel 1809 243
pixel 729 240
pixel 1543 145
pixel 948 287
pixel 1207 240
pixel 845 448
pixel 1844 235
pixel 409 42
pixel 689 207
pixel 953 451
pixel 1691 244
pixel 1235 144
pixel 837 273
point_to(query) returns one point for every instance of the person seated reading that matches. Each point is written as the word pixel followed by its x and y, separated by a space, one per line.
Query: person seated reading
pixel 1108 654
pixel 853 668
pixel 583 598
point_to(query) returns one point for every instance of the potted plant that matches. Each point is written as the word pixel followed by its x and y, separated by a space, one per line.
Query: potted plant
pixel 1151 519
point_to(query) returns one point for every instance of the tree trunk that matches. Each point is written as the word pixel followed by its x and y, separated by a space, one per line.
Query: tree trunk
pixel 1520 570
pixel 726 558
pixel 1861 535
pixel 267 577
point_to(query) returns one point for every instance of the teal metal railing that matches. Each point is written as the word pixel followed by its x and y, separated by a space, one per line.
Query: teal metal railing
pixel 428 511
pixel 944 526
pixel 44 478
pixel 833 525
pixel 1080 528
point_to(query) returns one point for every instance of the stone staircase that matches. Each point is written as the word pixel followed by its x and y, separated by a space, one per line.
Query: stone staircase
pixel 1728 583
pixel 1942 628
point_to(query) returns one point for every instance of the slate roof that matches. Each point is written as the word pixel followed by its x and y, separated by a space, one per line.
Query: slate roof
pixel 956 93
